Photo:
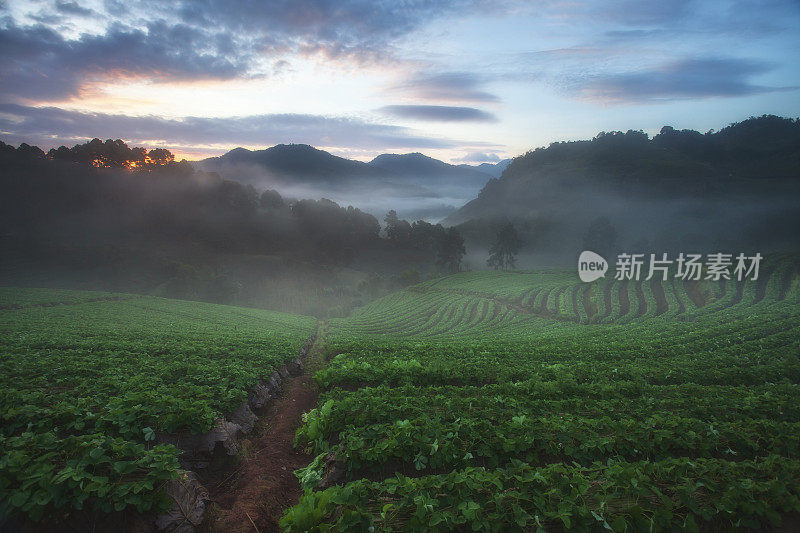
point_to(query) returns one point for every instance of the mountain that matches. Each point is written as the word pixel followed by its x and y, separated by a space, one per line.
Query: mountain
pixel 427 171
pixel 492 169
pixel 302 171
pixel 450 181
pixel 741 183
pixel 293 163
pixel 424 170
pixel 415 185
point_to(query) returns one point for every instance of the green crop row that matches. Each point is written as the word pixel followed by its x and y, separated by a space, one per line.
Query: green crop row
pixel 432 441
pixel 85 387
pixel 363 407
pixel 677 411
pixel 671 495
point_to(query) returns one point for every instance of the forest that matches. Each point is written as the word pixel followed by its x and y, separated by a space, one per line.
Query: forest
pixel 102 215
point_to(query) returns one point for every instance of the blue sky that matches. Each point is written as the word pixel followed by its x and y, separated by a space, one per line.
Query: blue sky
pixel 462 81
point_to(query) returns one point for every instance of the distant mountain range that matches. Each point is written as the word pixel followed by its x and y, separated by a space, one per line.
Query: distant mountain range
pixel 419 169
pixel 415 185
pixel 493 169
pixel 738 187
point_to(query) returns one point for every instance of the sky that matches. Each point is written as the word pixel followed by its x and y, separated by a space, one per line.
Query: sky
pixel 463 81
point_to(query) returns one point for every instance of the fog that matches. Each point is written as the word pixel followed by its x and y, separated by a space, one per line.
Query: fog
pixel 554 230
pixel 371 188
pixel 181 233
pixel 313 238
pixel 378 199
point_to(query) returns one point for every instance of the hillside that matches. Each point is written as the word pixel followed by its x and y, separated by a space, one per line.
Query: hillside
pixel 417 186
pixel 108 399
pixel 171 230
pixel 493 169
pixel 746 175
pixel 294 169
pixel 288 162
pixel 535 401
pixel 448 391
pixel 423 170
pixel 292 163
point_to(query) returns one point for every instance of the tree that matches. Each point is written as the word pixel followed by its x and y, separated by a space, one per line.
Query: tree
pixel 391 220
pixel 426 236
pixel 451 251
pixel 242 198
pixel 601 237
pixel 160 156
pixel 504 250
pixel 397 229
pixel 271 199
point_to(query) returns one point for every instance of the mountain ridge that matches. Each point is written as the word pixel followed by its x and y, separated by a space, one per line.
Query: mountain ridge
pixel 671 164
pixel 416 185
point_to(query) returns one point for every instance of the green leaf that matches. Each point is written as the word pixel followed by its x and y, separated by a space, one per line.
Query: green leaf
pixel 19 498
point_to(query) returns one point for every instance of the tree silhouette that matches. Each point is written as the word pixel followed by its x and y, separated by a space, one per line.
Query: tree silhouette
pixel 601 237
pixel 451 251
pixel 391 219
pixel 397 229
pixel 503 252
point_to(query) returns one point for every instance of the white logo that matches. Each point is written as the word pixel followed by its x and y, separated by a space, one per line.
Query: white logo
pixel 717 266
pixel 591 266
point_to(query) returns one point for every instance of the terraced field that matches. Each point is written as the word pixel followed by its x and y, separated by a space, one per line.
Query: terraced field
pixel 89 382
pixel 502 401
pixel 444 303
pixel 480 401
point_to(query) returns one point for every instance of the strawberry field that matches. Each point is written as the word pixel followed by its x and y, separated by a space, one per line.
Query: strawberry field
pixel 87 381
pixel 502 401
pixel 479 401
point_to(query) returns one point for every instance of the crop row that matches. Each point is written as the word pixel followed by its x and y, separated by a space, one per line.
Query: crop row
pixel 363 407
pixel 85 388
pixel 687 392
pixel 675 494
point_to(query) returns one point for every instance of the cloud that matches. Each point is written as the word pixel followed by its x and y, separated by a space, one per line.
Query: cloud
pixel 72 8
pixel 39 63
pixel 644 12
pixel 690 78
pixel 445 86
pixel 339 22
pixel 644 23
pixel 479 157
pixel 36 125
pixel 439 113
pixel 196 40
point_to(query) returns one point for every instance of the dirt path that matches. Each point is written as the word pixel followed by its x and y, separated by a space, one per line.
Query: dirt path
pixel 254 495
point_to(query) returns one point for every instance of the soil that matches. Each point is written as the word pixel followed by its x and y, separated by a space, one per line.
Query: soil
pixel 607 289
pixel 643 307
pixel 763 278
pixel 254 495
pixel 624 299
pixel 575 309
pixel 662 306
pixel 787 281
pixel 588 302
pixel 696 295
pixel 681 305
